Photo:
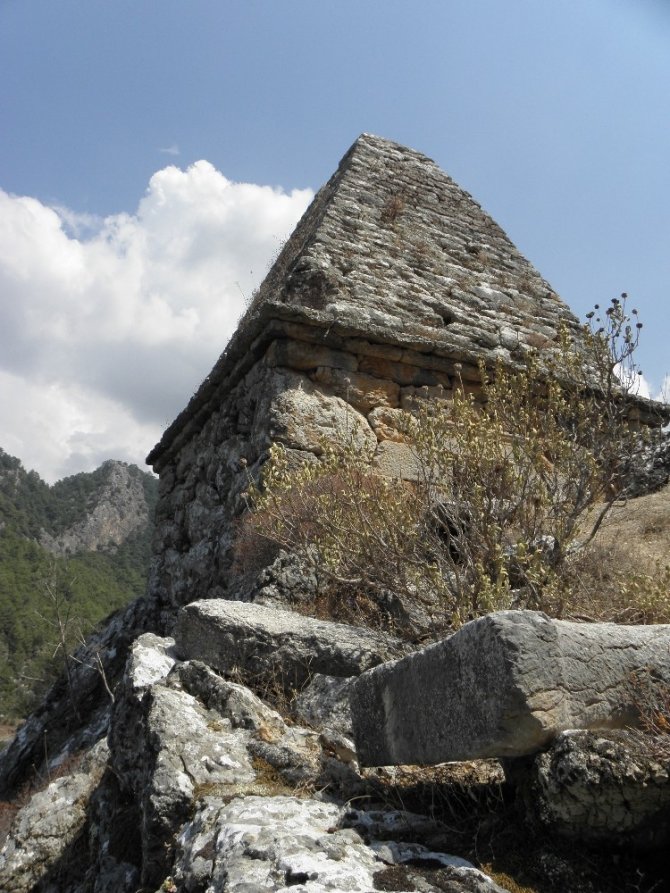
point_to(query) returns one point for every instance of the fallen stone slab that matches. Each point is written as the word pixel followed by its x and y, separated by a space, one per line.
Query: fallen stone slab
pixel 504 686
pixel 281 647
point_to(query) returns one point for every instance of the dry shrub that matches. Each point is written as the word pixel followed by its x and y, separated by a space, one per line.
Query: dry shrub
pixel 252 550
pixel 501 514
pixel 361 534
pixel 603 586
pixel 345 604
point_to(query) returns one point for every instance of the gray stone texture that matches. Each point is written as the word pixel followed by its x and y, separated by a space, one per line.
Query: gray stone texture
pixel 274 646
pixel 608 788
pixel 180 733
pixel 503 685
pixel 324 702
pixel 303 844
pixel 47 828
pixel 391 289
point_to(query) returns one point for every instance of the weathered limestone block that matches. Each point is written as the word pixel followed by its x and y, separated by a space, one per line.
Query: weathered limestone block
pixel 324 702
pixel 282 646
pixel 604 788
pixel 47 828
pixel 290 749
pixel 179 733
pixel 363 392
pixel 363 347
pixel 305 355
pixel 268 843
pixel 238 704
pixel 274 843
pixel 397 460
pixel 151 658
pixel 185 748
pixel 503 685
pixel 302 417
pixel 403 373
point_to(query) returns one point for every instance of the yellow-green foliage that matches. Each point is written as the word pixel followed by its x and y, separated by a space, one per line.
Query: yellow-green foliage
pixel 649 594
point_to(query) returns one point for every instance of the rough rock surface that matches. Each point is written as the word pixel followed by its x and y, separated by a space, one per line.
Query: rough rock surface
pixel 177 734
pixel 47 828
pixel 278 842
pixel 208 788
pixel 119 508
pixel 324 702
pixel 503 685
pixel 276 645
pixel 651 470
pixel 604 787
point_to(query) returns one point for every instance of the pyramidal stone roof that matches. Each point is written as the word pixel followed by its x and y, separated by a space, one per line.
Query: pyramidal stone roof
pixel 391 251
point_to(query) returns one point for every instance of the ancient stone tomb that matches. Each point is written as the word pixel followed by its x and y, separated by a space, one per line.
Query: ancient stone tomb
pixel 394 285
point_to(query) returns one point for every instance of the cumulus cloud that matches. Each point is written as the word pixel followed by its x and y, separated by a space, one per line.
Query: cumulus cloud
pixel 107 325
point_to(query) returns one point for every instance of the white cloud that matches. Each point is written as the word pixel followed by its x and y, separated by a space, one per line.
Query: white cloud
pixel 641 386
pixel 170 150
pixel 108 325
pixel 60 428
pixel 664 390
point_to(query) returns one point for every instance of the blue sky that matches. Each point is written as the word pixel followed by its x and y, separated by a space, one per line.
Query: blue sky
pixel 128 244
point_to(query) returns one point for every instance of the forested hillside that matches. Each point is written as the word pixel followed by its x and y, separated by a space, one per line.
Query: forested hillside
pixel 70 554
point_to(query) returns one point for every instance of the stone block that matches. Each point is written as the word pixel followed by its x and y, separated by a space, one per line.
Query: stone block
pixel 325 702
pixel 303 355
pixel 267 643
pixel 388 423
pixel 275 843
pixel 302 417
pixel 397 460
pixel 402 373
pixel 363 392
pixel 366 348
pixel 46 828
pixel 504 686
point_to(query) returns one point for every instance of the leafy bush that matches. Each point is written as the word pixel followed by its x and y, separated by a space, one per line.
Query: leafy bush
pixel 501 504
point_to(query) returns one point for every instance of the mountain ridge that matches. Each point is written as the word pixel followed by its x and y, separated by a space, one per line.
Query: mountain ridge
pixel 71 554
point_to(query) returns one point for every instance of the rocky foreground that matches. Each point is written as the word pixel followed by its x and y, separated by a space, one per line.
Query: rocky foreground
pixel 228 760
